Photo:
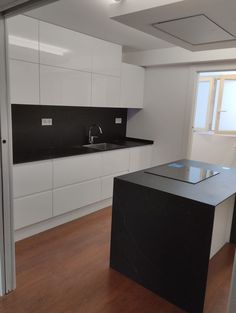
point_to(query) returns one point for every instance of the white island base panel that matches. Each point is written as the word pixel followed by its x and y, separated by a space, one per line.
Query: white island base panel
pixel 61 219
pixel 222 225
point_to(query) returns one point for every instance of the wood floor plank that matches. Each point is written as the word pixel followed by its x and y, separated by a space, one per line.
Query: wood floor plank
pixel 66 270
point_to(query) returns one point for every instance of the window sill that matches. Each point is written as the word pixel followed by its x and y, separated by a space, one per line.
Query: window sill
pixel 211 133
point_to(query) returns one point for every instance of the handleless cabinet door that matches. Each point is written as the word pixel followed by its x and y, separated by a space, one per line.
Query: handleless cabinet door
pixel 65 48
pixel 106 58
pixel 32 209
pixel 60 86
pixel 24 82
pixel 23 38
pixel 107 185
pixel 105 91
pixel 32 178
pixel 132 86
pixel 140 158
pixel 76 196
pixel 115 162
pixel 76 169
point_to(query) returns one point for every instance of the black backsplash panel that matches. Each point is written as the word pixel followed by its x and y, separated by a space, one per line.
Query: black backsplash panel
pixel 70 126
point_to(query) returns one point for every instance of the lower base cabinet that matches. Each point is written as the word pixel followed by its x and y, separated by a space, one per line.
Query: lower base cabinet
pixel 76 196
pixel 47 189
pixel 32 209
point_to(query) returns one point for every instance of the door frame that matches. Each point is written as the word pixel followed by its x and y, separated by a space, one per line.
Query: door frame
pixel 7 242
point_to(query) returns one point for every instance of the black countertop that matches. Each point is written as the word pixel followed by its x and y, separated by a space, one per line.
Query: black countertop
pixel 60 152
pixel 212 191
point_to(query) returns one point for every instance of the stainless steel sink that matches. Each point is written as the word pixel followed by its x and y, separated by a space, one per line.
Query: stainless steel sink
pixel 103 146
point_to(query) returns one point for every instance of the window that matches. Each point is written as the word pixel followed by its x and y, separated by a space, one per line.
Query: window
pixel 216 103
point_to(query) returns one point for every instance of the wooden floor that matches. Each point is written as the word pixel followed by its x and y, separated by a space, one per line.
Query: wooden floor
pixel 66 270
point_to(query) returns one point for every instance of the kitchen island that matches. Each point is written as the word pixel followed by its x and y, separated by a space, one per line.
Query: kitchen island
pixel 167 223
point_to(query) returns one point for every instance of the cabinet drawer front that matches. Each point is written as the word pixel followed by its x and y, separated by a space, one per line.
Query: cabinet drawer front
pixel 32 209
pixel 32 178
pixel 76 169
pixel 59 86
pixel 140 158
pixel 107 185
pixel 76 196
pixel 115 162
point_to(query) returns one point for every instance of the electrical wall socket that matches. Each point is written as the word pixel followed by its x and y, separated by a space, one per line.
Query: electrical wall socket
pixel 118 120
pixel 46 121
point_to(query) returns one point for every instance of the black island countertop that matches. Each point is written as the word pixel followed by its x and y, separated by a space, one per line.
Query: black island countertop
pixel 212 191
pixel 32 155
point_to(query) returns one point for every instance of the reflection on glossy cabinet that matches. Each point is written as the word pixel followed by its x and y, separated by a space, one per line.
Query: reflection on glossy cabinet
pixel 132 86
pixel 23 38
pixel 24 82
pixel 76 196
pixel 65 48
pixel 32 209
pixel 30 178
pixel 60 86
pixel 106 58
pixel 76 169
pixel 105 91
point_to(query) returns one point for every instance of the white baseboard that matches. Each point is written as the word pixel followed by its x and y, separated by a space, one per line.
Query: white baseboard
pixel 59 220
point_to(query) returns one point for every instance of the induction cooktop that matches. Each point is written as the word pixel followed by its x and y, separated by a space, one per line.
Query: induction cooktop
pixel 181 172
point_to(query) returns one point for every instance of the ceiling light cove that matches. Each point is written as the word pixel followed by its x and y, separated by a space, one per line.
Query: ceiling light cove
pixel 33 44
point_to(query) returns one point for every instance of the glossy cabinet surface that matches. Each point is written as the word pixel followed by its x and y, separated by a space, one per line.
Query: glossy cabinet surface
pixel 65 48
pixel 106 58
pixel 24 82
pixel 105 91
pixel 32 178
pixel 60 86
pixel 32 209
pixel 23 38
pixel 132 86
pixel 76 169
pixel 76 196
pixel 115 161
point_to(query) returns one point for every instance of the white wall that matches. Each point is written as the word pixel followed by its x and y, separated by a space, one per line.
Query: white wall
pixel 215 149
pixel 166 114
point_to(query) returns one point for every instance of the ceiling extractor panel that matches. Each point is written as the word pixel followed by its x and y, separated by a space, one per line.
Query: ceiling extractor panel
pixel 195 30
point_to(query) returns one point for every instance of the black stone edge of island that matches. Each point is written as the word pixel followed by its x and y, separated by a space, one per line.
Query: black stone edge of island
pixel 60 152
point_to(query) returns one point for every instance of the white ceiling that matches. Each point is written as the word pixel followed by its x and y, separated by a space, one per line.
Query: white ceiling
pixel 219 31
pixel 92 17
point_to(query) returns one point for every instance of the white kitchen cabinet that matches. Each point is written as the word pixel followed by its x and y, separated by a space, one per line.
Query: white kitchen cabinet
pixel 24 82
pixel 132 86
pixel 115 161
pixel 105 91
pixel 60 86
pixel 106 58
pixel 76 169
pixel 31 178
pixel 140 158
pixel 107 185
pixel 32 209
pixel 23 38
pixel 65 48
pixel 76 196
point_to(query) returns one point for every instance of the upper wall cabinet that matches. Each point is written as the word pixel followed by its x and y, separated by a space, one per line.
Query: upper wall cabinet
pixel 132 86
pixel 107 58
pixel 24 82
pixel 23 38
pixel 65 48
pixel 59 86
pixel 105 91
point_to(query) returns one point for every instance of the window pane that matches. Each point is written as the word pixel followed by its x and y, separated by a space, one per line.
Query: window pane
pixel 215 104
pixel 228 118
pixel 202 104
